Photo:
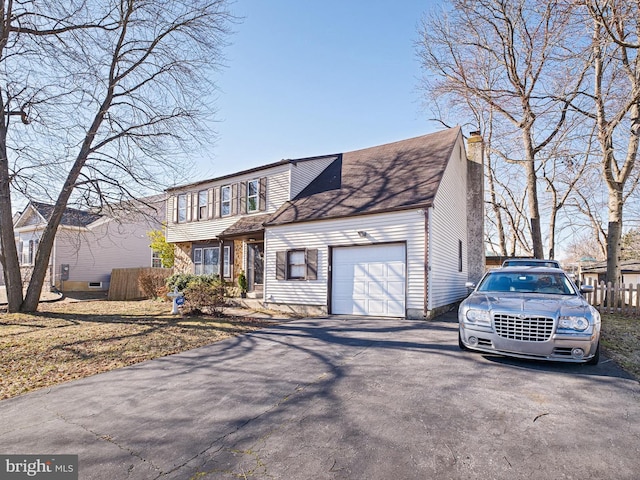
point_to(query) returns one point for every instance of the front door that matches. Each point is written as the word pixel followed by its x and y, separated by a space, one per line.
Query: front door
pixel 255 266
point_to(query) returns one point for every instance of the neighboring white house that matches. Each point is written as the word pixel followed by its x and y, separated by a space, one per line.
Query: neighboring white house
pixel 393 230
pixel 594 273
pixel 87 245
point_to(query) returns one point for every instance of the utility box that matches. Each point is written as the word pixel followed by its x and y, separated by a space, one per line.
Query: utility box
pixel 64 271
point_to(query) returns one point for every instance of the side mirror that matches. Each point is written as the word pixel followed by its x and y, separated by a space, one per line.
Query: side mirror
pixel 470 285
pixel 586 288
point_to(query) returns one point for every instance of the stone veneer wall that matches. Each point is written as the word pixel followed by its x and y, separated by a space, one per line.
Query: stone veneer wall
pixel 476 256
pixel 183 262
pixel 238 257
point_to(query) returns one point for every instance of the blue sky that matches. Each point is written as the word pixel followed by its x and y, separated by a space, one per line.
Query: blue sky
pixel 312 77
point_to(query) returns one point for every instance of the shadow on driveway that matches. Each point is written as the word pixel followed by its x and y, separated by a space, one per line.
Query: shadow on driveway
pixel 336 398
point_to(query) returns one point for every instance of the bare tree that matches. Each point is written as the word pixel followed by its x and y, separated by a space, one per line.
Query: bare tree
pixel 563 171
pixel 97 98
pixel 511 56
pixel 584 248
pixel 494 214
pixel 616 108
pixel 506 214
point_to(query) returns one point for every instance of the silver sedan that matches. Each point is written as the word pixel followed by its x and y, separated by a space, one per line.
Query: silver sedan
pixel 530 312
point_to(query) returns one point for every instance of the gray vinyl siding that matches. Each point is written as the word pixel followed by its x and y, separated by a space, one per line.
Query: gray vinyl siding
pixel 198 231
pixel 277 190
pixel 303 173
pixel 277 187
pixel 283 182
pixel 406 226
pixel 92 253
pixel 448 226
pixel 32 218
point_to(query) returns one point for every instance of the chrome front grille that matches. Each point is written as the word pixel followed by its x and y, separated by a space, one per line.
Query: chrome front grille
pixel 527 329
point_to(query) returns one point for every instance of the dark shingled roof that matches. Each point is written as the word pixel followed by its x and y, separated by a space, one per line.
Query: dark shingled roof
pixel 71 217
pixel 395 176
pixel 246 225
pixel 626 266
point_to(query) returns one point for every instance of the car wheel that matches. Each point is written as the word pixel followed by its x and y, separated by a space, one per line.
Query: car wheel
pixel 460 344
pixel 596 358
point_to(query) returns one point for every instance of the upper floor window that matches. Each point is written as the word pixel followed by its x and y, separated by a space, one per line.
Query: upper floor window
pixel 225 200
pixel 253 195
pixel 202 204
pixel 182 207
pixel 220 201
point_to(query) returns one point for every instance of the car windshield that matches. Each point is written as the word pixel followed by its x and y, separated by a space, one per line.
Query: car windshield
pixel 528 282
pixel 531 263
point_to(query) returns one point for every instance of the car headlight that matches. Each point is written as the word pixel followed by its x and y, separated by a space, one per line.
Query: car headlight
pixel 478 316
pixel 573 323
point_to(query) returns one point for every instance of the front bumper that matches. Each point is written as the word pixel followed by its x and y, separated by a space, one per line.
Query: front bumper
pixel 559 347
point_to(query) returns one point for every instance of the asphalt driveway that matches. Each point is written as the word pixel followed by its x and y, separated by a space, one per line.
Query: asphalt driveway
pixel 338 398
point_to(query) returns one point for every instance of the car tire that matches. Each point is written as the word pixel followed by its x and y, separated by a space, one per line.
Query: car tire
pixel 596 358
pixel 462 345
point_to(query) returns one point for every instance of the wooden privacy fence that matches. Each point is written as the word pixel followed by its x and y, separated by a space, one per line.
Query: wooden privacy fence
pixel 615 298
pixel 124 282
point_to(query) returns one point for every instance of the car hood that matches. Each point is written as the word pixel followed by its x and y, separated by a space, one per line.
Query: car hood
pixel 530 304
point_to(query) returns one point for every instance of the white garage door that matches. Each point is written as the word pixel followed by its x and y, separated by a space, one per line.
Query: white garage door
pixel 369 280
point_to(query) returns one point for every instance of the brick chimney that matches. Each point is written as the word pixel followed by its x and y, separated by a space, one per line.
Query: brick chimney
pixel 475 207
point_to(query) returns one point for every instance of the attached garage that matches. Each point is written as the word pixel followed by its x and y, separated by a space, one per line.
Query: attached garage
pixel 385 231
pixel 369 280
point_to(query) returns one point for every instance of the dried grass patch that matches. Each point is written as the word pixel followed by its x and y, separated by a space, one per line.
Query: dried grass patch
pixel 621 340
pixel 66 341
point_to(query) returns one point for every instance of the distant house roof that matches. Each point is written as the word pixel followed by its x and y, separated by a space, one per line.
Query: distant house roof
pixel 395 176
pixel 626 266
pixel 71 216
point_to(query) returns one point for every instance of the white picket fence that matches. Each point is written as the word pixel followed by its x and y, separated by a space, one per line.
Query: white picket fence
pixel 615 298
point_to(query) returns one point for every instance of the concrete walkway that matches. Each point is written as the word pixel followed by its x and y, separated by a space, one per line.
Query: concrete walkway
pixel 338 398
pixel 45 296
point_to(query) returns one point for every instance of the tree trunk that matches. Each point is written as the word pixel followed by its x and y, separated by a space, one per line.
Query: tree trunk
pixel 614 236
pixel 532 190
pixel 502 242
pixel 32 297
pixel 10 262
pixel 153 57
pixel 614 174
pixel 552 233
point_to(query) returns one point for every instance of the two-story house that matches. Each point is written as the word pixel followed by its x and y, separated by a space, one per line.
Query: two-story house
pixel 391 230
pixel 218 224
